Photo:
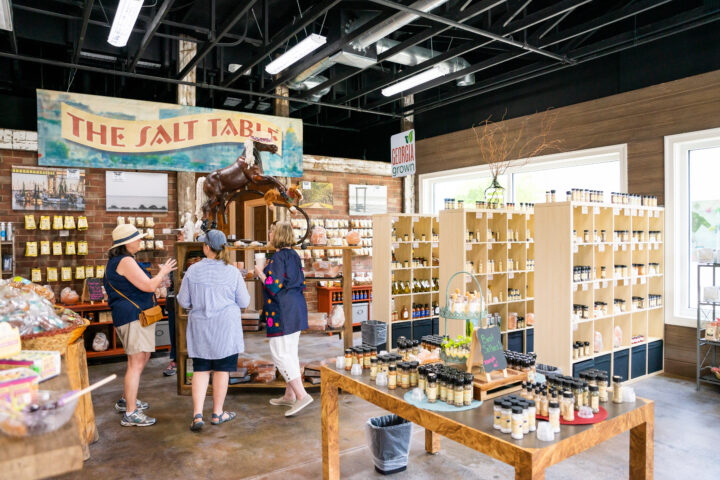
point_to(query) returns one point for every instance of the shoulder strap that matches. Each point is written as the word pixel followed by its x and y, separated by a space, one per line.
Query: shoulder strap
pixel 126 298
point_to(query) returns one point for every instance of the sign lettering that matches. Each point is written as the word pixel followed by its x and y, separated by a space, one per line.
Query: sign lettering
pixel 402 153
pixel 492 349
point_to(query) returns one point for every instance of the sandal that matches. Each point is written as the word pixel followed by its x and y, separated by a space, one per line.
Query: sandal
pixel 170 370
pixel 222 418
pixel 196 426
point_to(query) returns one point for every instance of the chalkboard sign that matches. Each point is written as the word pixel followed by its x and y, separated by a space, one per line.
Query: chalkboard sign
pixel 492 349
pixel 93 290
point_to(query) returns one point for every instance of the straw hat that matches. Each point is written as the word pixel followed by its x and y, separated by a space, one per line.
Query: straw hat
pixel 125 233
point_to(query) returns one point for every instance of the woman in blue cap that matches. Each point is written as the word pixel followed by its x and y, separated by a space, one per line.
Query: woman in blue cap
pixel 214 292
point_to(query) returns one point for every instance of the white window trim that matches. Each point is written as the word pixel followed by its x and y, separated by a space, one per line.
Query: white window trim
pixel 557 160
pixel 677 222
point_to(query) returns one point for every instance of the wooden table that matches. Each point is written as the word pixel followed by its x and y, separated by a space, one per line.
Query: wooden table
pixel 47 455
pixel 474 429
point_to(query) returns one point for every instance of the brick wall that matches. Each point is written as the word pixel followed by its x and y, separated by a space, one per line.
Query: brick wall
pixel 98 235
pixel 340 209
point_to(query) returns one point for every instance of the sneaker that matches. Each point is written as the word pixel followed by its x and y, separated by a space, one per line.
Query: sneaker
pixel 299 405
pixel 170 370
pixel 137 419
pixel 282 401
pixel 121 405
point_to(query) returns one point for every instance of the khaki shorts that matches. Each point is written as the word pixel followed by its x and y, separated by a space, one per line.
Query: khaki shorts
pixel 135 338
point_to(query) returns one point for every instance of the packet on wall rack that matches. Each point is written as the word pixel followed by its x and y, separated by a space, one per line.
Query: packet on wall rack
pixel 44 222
pixel 149 245
pixel 46 364
pixel 36 275
pixel 149 222
pixel 44 247
pixel 57 248
pixel 30 222
pixel 89 271
pixel 70 248
pixel 82 247
pixel 58 222
pixel 120 220
pixel 82 223
pixel 79 273
pixel 66 274
pixel 31 249
pixel 150 233
pixel 69 222
pixel 140 221
pixel 52 274
pixel 159 245
pixel 100 271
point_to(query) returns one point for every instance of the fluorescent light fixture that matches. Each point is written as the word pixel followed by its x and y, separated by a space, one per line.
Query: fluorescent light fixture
pixel 231 102
pixel 234 67
pixel 6 15
pixel 302 49
pixel 98 56
pixel 124 21
pixel 413 81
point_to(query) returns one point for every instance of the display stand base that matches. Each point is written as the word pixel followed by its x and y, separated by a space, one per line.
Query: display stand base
pixel 500 383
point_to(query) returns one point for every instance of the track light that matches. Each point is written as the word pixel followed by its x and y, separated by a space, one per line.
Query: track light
pixel 413 81
pixel 302 49
pixel 124 21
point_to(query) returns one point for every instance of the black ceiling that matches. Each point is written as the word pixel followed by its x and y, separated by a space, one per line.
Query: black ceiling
pixel 482 45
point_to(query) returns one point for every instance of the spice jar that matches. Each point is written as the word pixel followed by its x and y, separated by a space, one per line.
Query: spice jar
pixel 373 352
pixel 554 416
pixel 526 420
pixel 506 419
pixel 576 353
pixel 468 389
pixel 348 359
pixel 432 388
pixel 586 236
pixel 366 357
pixel 544 404
pixel 373 368
pixel 578 395
pixel 422 378
pixel 413 374
pixel 404 370
pixel 416 346
pixel 459 391
pixel 602 387
pixel 586 394
pixel 517 423
pixel 392 377
pixel 617 389
pixel 443 387
pixel 497 413
pixel 532 411
pixel 586 348
pixel 594 398
pixel 569 407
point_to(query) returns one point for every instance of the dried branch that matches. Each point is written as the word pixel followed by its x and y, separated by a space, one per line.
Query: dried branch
pixel 499 147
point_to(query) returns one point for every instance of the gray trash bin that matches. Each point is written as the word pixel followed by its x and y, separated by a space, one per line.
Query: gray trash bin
pixel 389 441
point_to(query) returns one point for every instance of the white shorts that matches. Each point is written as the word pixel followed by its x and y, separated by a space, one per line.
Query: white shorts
pixel 284 351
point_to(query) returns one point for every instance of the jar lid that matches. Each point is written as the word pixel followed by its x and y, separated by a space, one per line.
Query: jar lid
pixel 506 405
pixel 498 402
pixel 554 405
pixel 530 403
pixel 587 344
pixel 374 360
pixel 567 394
pixel 617 379
pixel 392 368
pixel 517 410
pixel 348 351
pixel 432 377
pixel 594 388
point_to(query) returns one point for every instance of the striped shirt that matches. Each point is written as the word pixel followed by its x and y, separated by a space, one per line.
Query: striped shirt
pixel 214 293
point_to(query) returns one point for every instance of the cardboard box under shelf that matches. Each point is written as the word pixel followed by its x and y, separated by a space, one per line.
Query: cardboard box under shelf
pixel 498 385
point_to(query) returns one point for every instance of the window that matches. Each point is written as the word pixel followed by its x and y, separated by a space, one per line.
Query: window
pixel 596 169
pixel 692 217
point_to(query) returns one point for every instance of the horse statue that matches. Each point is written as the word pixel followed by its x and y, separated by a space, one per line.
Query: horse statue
pixel 245 175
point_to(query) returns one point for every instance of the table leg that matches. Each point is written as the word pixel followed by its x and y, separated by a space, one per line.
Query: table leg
pixel 642 450
pixel 527 469
pixel 330 429
pixel 432 442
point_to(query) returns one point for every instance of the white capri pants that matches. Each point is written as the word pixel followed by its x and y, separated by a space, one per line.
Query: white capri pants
pixel 284 351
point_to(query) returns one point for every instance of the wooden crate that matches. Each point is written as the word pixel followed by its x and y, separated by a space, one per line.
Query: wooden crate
pixel 498 385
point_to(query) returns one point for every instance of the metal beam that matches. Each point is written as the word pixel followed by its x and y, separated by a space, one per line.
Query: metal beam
pixel 462 16
pixel 141 76
pixel 519 25
pixel 512 16
pixel 83 30
pixel 477 31
pixel 284 35
pixel 149 33
pixel 240 10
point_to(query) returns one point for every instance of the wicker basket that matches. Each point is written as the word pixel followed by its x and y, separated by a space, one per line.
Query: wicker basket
pixel 54 340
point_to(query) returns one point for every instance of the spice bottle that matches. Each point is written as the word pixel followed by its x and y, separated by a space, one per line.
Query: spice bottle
pixel 578 395
pixel 517 423
pixel 421 378
pixel 459 391
pixel 532 411
pixel 392 377
pixel 602 387
pixel 468 390
pixel 373 352
pixel 569 407
pixel 404 370
pixel 525 414
pixel 594 398
pixel 586 394
pixel 348 359
pixel 413 374
pixel 373 368
pixel 506 417
pixel 432 388
pixel 442 385
pixel 586 348
pixel 544 404
pixel 554 416
pixel 617 389
pixel 497 413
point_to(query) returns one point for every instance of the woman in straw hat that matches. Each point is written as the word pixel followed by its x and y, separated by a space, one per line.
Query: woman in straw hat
pixel 130 289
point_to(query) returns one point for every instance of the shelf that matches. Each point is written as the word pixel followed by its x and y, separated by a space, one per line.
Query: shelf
pixel 709 378
pixel 702 341
pixel 106 353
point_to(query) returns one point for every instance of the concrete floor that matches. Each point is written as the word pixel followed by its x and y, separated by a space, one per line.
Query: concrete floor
pixel 263 444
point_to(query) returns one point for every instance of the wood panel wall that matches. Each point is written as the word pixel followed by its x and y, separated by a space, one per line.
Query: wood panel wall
pixel 641 119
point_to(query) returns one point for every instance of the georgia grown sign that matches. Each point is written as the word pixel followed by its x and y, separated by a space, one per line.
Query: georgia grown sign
pixel 402 153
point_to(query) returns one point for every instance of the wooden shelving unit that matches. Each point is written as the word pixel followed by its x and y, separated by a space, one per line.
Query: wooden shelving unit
pixel 328 297
pixel 558 251
pixel 7 248
pixel 484 242
pixel 414 237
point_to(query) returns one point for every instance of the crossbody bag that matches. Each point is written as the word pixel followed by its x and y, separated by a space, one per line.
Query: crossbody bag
pixel 147 317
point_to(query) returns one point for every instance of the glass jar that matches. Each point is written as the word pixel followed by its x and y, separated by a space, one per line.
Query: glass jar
pixel 544 404
pixel 576 352
pixel 602 387
pixel 416 345
pixel 506 419
pixel 442 386
pixel 373 368
pixel 348 359
pixel 404 370
pixel 532 411
pixel 617 389
pixel 468 389
pixel 357 356
pixel 586 345
pixel 586 236
pixel 578 395
pixel 392 377
pixel 586 394
pixel 366 357
pixel 459 388
pixel 554 416
pixel 517 423
pixel 594 398
pixel 432 388
pixel 525 415
pixel 422 378
pixel 497 413
pixel 413 374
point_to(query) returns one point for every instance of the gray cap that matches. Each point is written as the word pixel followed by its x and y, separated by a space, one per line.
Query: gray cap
pixel 215 239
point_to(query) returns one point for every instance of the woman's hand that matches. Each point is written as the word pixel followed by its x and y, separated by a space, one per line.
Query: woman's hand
pixel 259 272
pixel 169 266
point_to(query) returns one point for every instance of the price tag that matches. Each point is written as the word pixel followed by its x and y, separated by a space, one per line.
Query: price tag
pixel 616 211
pixel 509 216
pixel 585 286
pixel 634 213
pixel 615 248
pixel 415 219
pixel 490 277
pixel 601 248
pixel 596 210
pixel 624 248
pixel 584 210
pixel 478 215
pixel 575 249
pixel 490 215
pixel 643 280
pixel 511 275
pixel 641 246
pixel 468 279
pixel 509 246
pixel 395 245
pixel 527 245
pixel 575 287
pixel 394 219
pixel 657 214
pixel 597 285
pixel 416 245
pixel 627 212
pixel 604 284
pixel 626 282
pixel 468 247
pixel 615 284
pixel 656 246
pixel 434 244
pixel 490 245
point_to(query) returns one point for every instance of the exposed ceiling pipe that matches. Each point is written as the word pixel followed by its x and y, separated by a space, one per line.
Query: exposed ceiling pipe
pixel 378 36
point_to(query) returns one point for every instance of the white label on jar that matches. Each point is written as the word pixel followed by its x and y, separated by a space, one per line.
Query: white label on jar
pixel 642 281
pixel 601 248
pixel 478 215
pixel 641 246
pixel 584 210
pixel 627 212
pixel 509 216
pixel 615 248
pixel 626 282
pixel 585 286
pixel 596 210
pixel 624 247
pixel 656 246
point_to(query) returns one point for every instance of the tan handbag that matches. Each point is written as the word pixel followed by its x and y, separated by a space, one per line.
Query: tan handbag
pixel 147 317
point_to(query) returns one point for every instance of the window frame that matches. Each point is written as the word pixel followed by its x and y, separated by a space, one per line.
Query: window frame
pixel 677 221
pixel 574 158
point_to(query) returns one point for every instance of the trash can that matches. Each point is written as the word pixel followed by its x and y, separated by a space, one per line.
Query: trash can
pixel 389 440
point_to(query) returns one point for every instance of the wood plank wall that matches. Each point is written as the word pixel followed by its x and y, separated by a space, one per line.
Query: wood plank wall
pixel 641 119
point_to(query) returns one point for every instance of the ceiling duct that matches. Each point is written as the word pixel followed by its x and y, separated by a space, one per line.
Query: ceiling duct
pixel 361 55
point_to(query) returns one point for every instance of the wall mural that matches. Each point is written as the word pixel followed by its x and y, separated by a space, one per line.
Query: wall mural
pixel 105 132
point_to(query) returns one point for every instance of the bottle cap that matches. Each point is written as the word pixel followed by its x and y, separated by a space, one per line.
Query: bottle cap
pixel 498 402
pixel 554 405
pixel 431 377
pixel 516 410
pixel 617 379
pixel 594 388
